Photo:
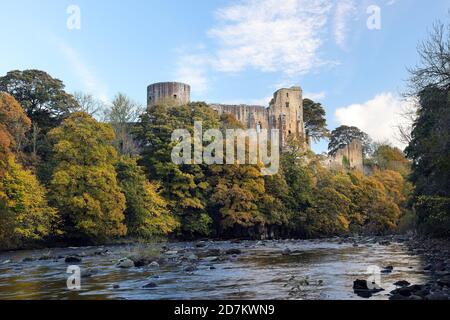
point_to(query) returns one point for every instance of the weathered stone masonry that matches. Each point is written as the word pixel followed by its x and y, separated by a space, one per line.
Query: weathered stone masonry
pixel 285 113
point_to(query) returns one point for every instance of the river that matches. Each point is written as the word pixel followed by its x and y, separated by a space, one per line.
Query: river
pixel 317 269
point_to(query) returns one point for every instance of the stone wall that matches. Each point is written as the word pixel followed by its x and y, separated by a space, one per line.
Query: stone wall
pixel 285 112
pixel 350 157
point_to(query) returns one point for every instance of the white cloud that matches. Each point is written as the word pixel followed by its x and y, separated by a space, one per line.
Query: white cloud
pixel 270 35
pixel 91 84
pixel 345 11
pixel 192 69
pixel 379 117
pixel 315 95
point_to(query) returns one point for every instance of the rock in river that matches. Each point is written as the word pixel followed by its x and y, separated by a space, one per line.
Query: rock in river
pixel 125 263
pixel 233 251
pixel 72 259
pixel 150 285
pixel 362 289
pixel 402 283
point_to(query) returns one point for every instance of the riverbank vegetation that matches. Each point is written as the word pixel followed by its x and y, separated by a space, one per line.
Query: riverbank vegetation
pixel 68 175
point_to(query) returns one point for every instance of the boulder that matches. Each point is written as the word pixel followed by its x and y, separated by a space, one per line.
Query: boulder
pixel 209 253
pixel 402 283
pixel 287 252
pixel 125 263
pixel 361 288
pixel 190 268
pixel 72 259
pixel 150 285
pixel 233 251
pixel 387 269
pixel 200 244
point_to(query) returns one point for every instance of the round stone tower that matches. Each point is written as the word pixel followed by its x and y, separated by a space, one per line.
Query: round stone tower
pixel 170 93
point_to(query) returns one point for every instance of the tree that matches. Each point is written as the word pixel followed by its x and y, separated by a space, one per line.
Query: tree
pixel 24 212
pixel 429 149
pixel 429 146
pixel 25 215
pixel 434 67
pixel 329 213
pixel 46 103
pixel 345 135
pixel 14 124
pixel 146 213
pixel 314 119
pixel 88 103
pixel 185 187
pixel 387 157
pixel 238 190
pixel 122 115
pixel 43 97
pixel 84 186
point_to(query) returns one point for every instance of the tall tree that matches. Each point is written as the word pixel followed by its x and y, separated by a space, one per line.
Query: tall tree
pixel 46 103
pixel 44 99
pixel 315 121
pixel 14 124
pixel 24 211
pixel 84 185
pixel 146 213
pixel 185 186
pixel 429 147
pixel 434 67
pixel 345 135
pixel 89 104
pixel 123 114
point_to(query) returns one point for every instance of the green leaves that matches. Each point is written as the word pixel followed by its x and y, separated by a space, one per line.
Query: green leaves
pixel 345 135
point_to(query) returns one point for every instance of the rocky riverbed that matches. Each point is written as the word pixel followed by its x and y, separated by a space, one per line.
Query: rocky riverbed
pixel 287 269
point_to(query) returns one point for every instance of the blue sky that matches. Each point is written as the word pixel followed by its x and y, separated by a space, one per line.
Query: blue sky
pixel 237 51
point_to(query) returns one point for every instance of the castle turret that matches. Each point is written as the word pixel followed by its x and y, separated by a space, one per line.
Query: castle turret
pixel 170 93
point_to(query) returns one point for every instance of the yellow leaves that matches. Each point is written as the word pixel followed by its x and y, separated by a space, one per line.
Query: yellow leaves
pixel 84 185
pixel 30 217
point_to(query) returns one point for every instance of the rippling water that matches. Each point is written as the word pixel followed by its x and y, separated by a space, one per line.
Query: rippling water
pixel 260 272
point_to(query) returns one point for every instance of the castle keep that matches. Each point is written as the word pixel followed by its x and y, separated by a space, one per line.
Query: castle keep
pixel 285 111
pixel 172 93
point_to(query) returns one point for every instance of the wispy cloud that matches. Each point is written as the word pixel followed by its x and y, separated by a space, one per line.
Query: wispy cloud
pixel 315 95
pixel 87 78
pixel 270 35
pixel 345 11
pixel 192 68
pixel 282 37
pixel 379 117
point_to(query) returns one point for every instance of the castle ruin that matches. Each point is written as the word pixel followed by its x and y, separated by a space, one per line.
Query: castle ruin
pixel 285 113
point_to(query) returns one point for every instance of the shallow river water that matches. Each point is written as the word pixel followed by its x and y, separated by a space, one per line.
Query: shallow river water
pixel 312 270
